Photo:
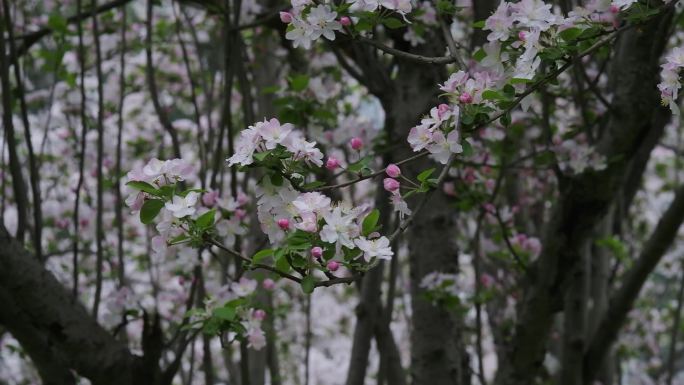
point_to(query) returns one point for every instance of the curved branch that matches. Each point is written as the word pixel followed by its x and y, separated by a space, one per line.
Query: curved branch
pixel 623 299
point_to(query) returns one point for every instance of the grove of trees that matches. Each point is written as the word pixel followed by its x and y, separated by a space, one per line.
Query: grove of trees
pixel 321 192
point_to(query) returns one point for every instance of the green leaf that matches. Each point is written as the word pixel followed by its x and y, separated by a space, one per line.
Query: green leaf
pixel 281 263
pixel 479 54
pixel 260 156
pixel 570 34
pixel 179 239
pixel 363 25
pixel 392 23
pixel 150 209
pixel 423 176
pixel 261 255
pixel 308 284
pixel 225 313
pixel 370 222
pixel 143 186
pixel 299 83
pixel 57 22
pixel 206 220
pixel 492 95
pixel 479 24
pixel 467 149
pixel 520 81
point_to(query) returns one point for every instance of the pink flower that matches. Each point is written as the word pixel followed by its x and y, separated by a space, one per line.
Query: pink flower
pixel 209 199
pixel 333 265
pixel 268 284
pixel 345 21
pixel 284 224
pixel 522 35
pixel 391 184
pixel 241 214
pixel 442 109
pixel 286 17
pixel 316 252
pixel 332 163
pixel 393 170
pixel 356 143
pixel 486 280
pixel 259 314
pixel 465 98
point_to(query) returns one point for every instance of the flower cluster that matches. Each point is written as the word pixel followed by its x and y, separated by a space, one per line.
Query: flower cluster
pixel 270 135
pixel 307 23
pixel 331 229
pixel 400 6
pixel 156 196
pixel 670 85
pixel 438 133
pixel 231 308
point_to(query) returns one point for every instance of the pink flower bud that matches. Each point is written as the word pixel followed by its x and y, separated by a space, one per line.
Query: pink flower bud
pixel 390 184
pixel 241 214
pixel 465 98
pixel 316 252
pixel 259 314
pixel 209 199
pixel 442 109
pixel 522 35
pixel 614 9
pixel 345 21
pixel 393 170
pixel 356 143
pixel 268 284
pixel 286 17
pixel 486 280
pixel 333 265
pixel 332 163
pixel 284 224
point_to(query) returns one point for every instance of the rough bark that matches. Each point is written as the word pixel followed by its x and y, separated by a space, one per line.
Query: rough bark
pixel 623 299
pixel 584 199
pixel 437 354
pixel 57 334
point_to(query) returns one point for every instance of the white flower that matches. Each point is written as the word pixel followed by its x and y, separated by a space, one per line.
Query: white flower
pixel 245 146
pixel 182 206
pixel 304 150
pixel 244 287
pixel 500 23
pixel 442 147
pixel 400 205
pixel 256 338
pixel 401 6
pixel 533 14
pixel 339 228
pixel 300 34
pixel 379 248
pixel 323 22
pixel 419 137
pixel 273 132
pixel 312 202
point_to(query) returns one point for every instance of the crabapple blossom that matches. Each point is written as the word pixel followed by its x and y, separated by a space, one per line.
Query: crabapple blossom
pixel 284 224
pixel 316 252
pixel 182 206
pixel 356 143
pixel 333 265
pixel 391 184
pixel 393 171
pixel 285 17
pixel 374 248
pixel 332 163
pixel 268 284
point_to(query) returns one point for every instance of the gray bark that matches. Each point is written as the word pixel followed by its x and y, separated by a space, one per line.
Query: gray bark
pixel 584 199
